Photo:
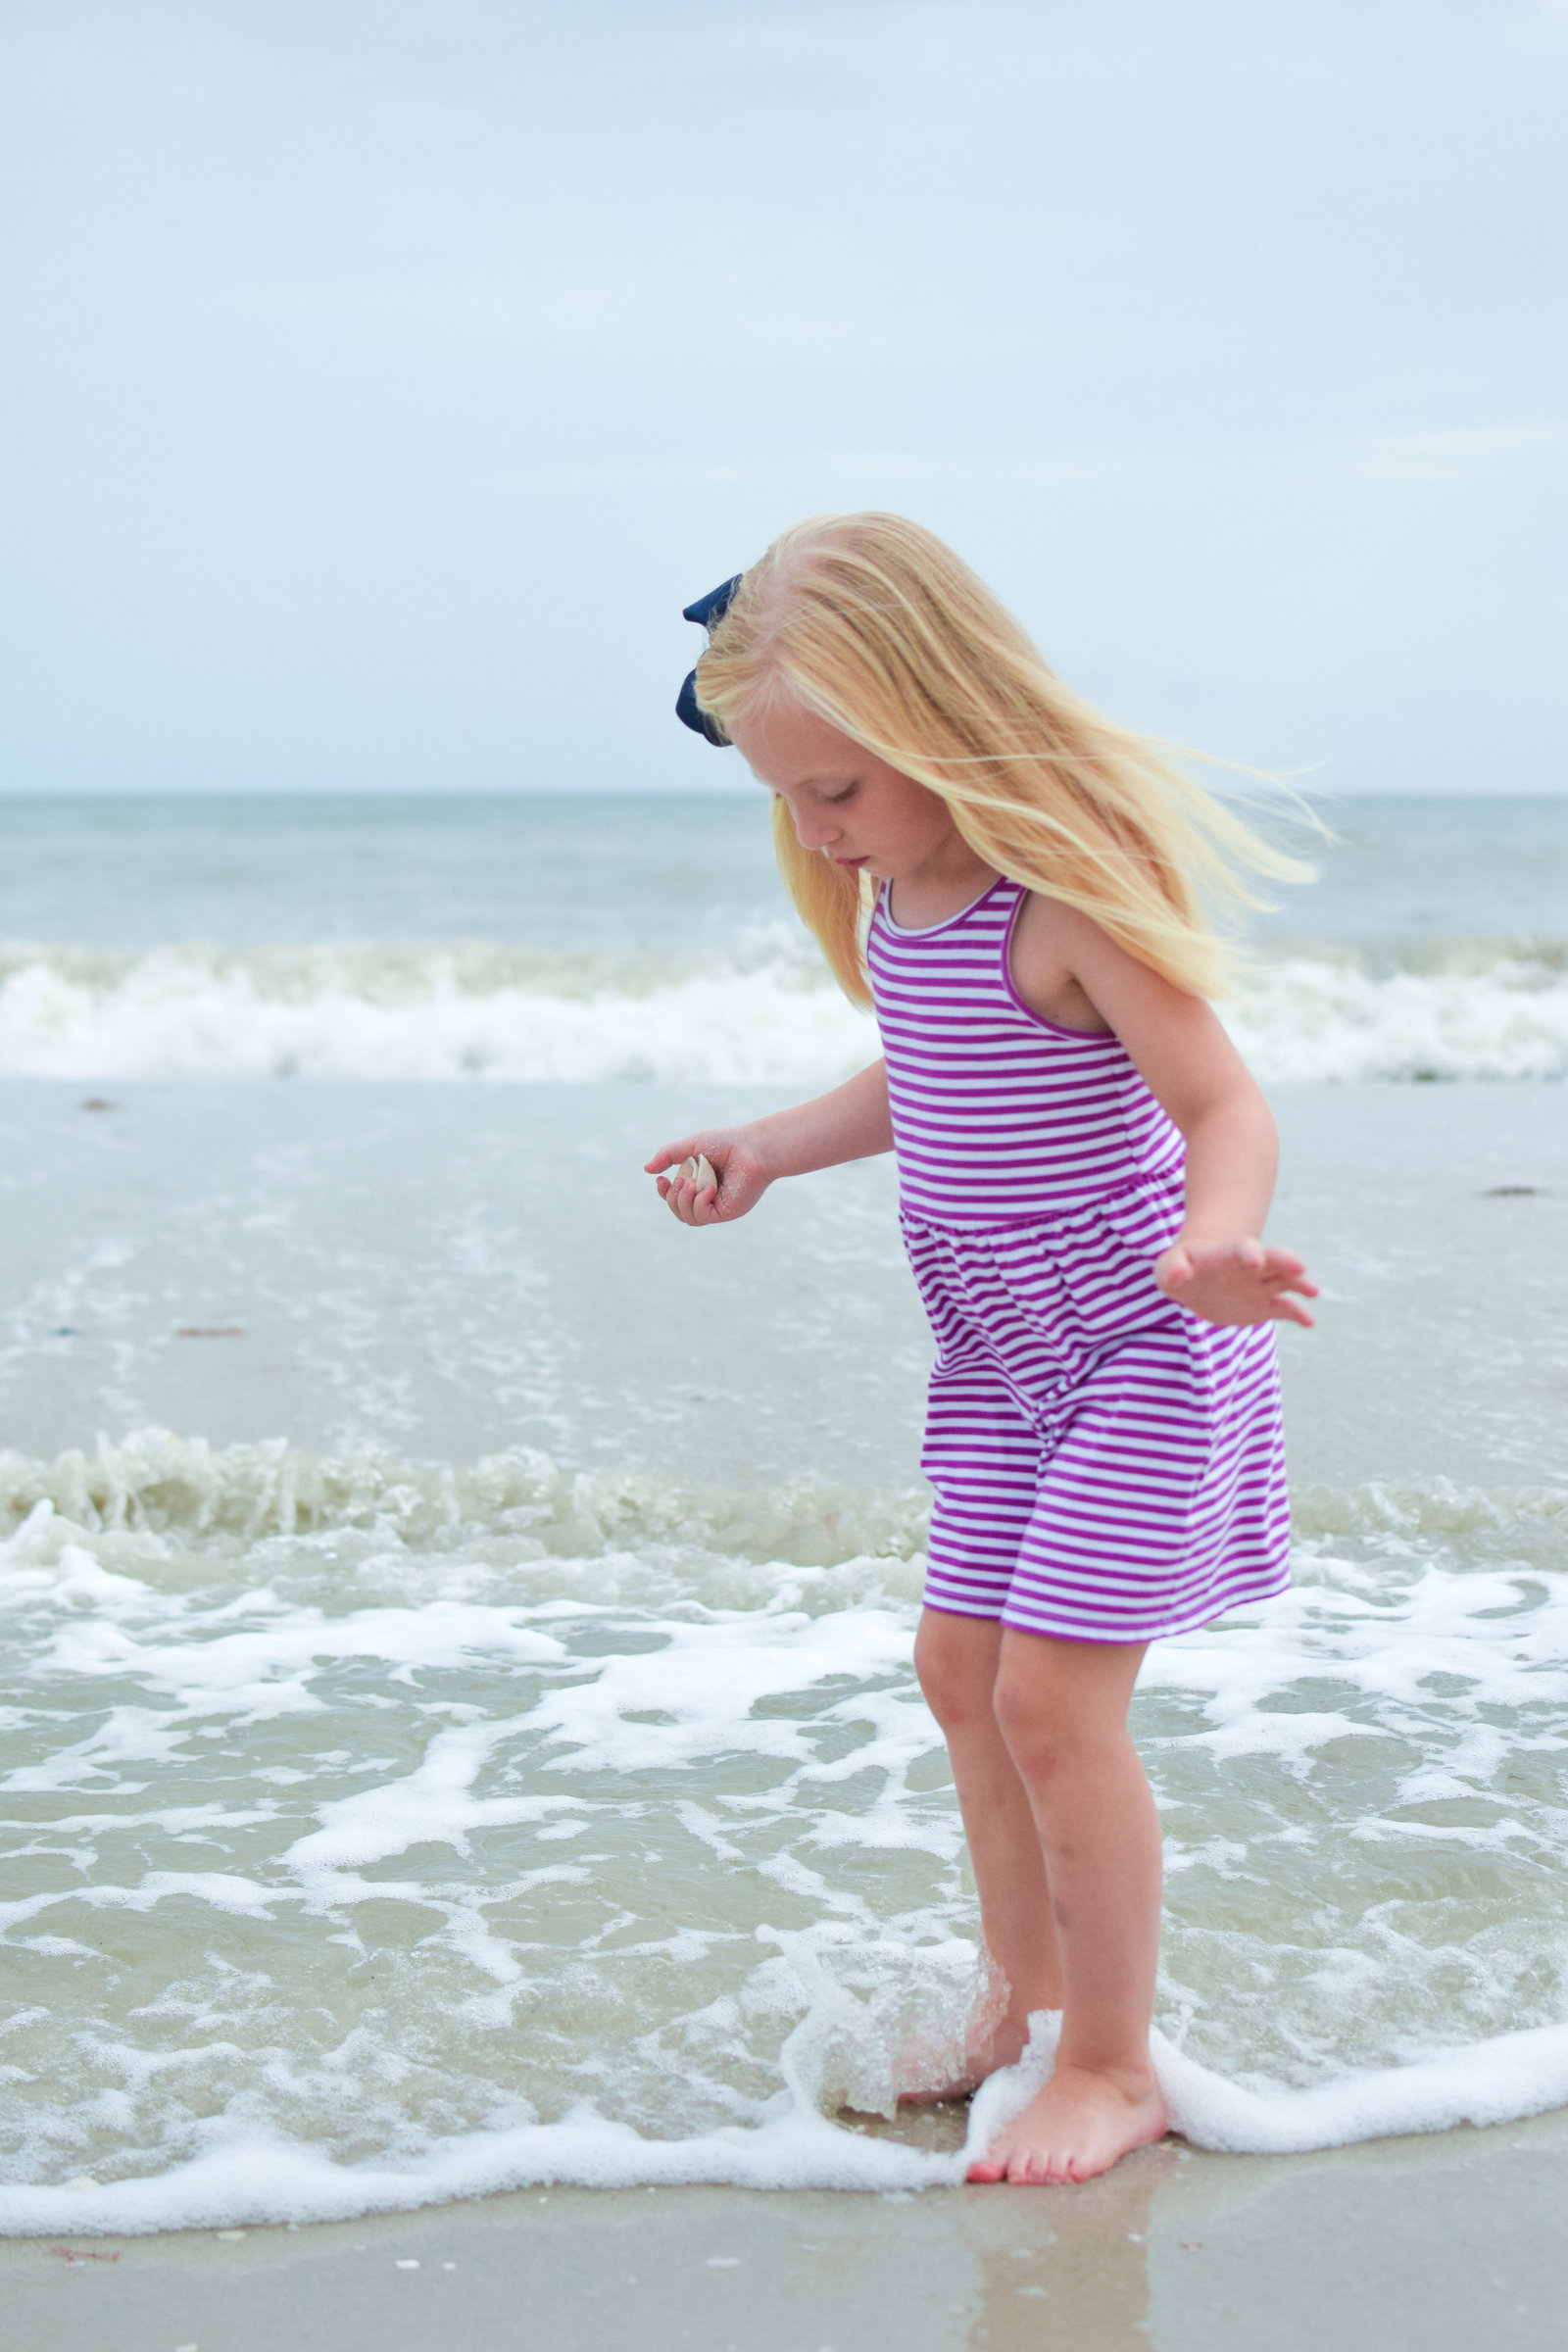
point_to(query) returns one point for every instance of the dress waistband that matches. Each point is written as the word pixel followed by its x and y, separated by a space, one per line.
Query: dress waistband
pixel 1149 1180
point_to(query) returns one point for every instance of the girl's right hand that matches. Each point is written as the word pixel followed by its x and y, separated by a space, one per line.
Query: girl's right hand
pixel 1236 1282
pixel 735 1161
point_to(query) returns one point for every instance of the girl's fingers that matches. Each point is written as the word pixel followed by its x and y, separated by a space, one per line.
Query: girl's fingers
pixel 672 1154
pixel 1243 1284
pixel 691 1203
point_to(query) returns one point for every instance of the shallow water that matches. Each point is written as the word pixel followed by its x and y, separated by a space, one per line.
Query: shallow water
pixel 458 1727
pixel 526 1801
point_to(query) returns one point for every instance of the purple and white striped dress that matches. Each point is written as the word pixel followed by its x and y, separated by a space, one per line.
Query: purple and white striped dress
pixel 1107 1466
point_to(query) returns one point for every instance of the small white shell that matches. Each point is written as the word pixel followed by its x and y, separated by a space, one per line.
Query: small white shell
pixel 700 1170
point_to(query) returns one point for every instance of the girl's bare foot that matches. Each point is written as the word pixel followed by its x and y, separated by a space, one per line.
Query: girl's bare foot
pixel 993 2046
pixel 1080 2123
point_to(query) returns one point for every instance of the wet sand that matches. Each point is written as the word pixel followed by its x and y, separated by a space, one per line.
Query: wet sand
pixel 446 1271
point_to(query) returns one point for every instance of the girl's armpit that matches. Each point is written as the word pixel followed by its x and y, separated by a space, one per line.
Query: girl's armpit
pixel 1039 966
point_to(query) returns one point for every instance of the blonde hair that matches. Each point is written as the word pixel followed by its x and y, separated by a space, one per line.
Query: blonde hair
pixel 876 626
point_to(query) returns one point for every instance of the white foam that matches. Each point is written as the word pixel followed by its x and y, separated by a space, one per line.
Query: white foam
pixel 489 1013
pixel 1333 1019
pixel 252 2177
pixel 1496 2081
pixel 1499 2081
pixel 420 1013
pixel 257 2178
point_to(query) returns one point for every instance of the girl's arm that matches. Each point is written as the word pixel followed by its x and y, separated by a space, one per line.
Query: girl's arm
pixel 850 1123
pixel 1067 968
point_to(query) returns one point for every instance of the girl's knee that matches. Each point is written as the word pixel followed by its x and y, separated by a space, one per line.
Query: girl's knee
pixel 1058 1702
pixel 956 1660
pixel 1037 1732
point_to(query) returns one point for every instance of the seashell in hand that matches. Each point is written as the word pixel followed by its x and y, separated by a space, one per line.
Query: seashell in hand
pixel 700 1169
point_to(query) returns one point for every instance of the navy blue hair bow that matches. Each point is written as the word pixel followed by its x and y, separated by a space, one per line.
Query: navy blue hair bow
pixel 708 611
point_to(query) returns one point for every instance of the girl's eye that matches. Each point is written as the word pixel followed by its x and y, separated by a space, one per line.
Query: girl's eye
pixel 836 800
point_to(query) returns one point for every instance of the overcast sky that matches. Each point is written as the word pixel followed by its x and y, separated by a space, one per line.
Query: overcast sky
pixel 383 375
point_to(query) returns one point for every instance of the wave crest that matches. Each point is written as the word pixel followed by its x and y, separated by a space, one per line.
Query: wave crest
pixel 154 1483
pixel 1466 1009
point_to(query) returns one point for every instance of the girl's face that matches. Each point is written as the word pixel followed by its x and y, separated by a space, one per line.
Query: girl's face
pixel 846 801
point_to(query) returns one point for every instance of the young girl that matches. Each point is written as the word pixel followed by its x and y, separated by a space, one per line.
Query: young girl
pixel 1084 1167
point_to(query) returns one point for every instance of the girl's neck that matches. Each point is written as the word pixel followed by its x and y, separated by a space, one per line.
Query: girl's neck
pixel 940 887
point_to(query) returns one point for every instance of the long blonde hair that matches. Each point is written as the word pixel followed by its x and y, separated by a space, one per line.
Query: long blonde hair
pixel 875 625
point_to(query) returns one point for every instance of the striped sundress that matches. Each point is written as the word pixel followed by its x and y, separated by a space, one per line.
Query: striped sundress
pixel 1107 1466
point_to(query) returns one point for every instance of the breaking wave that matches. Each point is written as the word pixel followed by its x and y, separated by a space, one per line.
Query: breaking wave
pixel 182 1492
pixel 1474 1010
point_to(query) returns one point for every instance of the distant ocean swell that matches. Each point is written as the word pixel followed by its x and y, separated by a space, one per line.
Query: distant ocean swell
pixel 1471 1010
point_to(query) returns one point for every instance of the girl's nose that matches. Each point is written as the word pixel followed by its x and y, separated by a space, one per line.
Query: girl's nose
pixel 814 830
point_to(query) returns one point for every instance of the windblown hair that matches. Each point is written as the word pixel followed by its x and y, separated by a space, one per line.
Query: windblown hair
pixel 873 625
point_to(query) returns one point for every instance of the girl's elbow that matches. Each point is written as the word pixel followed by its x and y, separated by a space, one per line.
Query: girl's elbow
pixel 1236 1109
pixel 1251 1097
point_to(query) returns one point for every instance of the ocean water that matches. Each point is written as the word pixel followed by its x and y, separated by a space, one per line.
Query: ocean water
pixel 458 1727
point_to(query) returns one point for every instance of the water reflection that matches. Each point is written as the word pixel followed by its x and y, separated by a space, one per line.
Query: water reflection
pixel 1066 2267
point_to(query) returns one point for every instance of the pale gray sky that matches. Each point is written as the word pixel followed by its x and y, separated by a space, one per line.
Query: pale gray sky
pixel 383 376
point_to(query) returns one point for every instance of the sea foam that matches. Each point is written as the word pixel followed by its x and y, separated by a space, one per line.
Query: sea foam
pixel 255 2179
pixel 497 1013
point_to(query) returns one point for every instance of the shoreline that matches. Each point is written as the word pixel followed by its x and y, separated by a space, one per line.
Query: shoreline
pixel 1427 2240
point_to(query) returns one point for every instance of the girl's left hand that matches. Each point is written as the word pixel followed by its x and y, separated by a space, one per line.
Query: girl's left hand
pixel 1236 1282
pixel 731 1153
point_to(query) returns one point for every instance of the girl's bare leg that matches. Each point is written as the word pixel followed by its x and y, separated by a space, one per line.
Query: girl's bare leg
pixel 958 1660
pixel 1062 1712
